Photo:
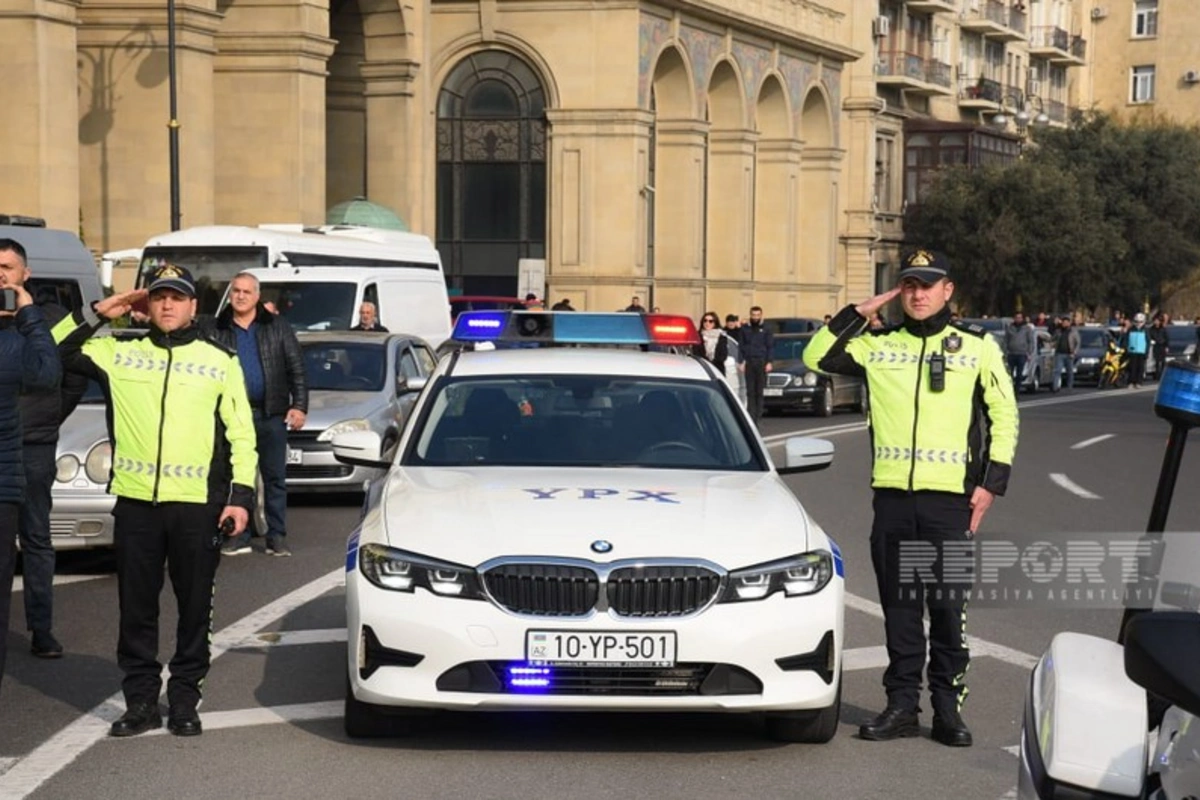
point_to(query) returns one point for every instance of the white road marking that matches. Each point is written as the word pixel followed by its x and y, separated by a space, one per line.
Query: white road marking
pixel 828 430
pixel 53 755
pixel 6 762
pixel 1072 487
pixel 284 638
pixel 1014 750
pixel 979 647
pixel 1094 440
pixel 864 658
pixel 60 580
pixel 267 715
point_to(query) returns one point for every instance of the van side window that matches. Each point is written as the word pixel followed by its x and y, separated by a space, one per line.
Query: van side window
pixel 371 295
pixel 60 291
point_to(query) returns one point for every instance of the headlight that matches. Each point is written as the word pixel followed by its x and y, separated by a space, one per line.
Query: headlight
pixel 66 468
pixel 345 426
pixel 389 568
pixel 806 573
pixel 1187 351
pixel 809 378
pixel 99 463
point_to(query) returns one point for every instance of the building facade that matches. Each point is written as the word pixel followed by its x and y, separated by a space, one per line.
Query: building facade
pixel 698 155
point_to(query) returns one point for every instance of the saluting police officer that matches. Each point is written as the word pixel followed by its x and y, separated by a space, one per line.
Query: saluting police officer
pixel 183 463
pixel 944 430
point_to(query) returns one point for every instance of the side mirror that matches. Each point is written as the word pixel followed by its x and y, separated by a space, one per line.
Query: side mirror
pixel 409 385
pixel 360 449
pixel 806 454
pixel 1162 649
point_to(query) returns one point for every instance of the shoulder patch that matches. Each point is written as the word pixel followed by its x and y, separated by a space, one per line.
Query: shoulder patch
pixel 207 335
pixel 971 328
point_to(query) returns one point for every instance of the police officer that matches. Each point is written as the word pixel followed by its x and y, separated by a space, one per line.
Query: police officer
pixel 944 432
pixel 183 464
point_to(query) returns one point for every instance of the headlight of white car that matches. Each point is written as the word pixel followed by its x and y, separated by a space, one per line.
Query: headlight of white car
pixel 345 426
pixel 99 463
pixel 66 468
pixel 807 573
pixel 398 571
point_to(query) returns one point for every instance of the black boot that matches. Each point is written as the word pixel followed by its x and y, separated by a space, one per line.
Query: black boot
pixel 140 717
pixel 950 730
pixel 44 645
pixel 184 721
pixel 896 722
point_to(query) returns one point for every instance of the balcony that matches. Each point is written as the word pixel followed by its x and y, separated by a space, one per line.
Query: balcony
pixel 993 19
pixel 1057 111
pixel 980 93
pixel 1057 46
pixel 932 6
pixel 914 73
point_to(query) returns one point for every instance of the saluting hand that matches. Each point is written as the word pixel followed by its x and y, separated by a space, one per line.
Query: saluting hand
pixel 867 309
pixel 119 304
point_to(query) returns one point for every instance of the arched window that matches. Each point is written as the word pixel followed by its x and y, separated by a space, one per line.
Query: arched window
pixel 491 171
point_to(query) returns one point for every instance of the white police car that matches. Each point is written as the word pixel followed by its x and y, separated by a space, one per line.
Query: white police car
pixel 588 528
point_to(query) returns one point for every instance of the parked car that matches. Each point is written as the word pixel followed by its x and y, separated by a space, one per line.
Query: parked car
pixel 81 516
pixel 792 386
pixel 357 381
pixel 1039 372
pixel 1093 342
pixel 1181 346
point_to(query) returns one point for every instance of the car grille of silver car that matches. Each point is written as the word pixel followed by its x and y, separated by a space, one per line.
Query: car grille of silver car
pixel 643 591
pixel 778 379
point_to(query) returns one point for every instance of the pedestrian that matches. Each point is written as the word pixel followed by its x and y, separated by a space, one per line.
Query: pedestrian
pixel 714 344
pixel 277 387
pixel 754 360
pixel 943 429
pixel 42 414
pixel 368 319
pixel 1158 344
pixel 1020 348
pixel 1066 350
pixel 635 305
pixel 183 464
pixel 1137 344
pixel 27 359
pixel 733 345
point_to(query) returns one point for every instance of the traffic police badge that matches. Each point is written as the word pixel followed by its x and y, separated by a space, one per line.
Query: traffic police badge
pixel 953 343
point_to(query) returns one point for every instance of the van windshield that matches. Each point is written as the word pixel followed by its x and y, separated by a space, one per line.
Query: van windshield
pixel 212 267
pixel 312 305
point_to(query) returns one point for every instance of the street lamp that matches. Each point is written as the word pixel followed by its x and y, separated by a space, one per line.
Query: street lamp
pixel 1022 117
pixel 173 124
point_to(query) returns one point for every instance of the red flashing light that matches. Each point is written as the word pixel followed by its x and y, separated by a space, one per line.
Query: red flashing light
pixel 671 329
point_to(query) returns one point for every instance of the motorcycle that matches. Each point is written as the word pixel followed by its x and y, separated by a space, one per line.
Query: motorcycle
pixel 1114 368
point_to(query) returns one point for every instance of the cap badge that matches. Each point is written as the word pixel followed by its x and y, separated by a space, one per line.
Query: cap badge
pixel 169 271
pixel 921 258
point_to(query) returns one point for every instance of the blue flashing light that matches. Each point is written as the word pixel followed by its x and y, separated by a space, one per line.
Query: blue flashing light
pixel 1178 396
pixel 595 328
pixel 528 679
pixel 479 326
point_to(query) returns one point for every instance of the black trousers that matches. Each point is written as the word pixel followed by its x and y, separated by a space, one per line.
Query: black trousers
pixel 756 382
pixel 184 538
pixel 37 549
pixel 910 539
pixel 8 563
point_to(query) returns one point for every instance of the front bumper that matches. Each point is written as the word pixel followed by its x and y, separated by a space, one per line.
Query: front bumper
pixel 81 521
pixel 731 650
pixel 792 397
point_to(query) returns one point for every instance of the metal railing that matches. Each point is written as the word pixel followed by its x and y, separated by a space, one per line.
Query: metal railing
pixel 915 66
pixel 1050 36
pixel 1056 110
pixel 1018 20
pixel 980 89
pixel 1079 47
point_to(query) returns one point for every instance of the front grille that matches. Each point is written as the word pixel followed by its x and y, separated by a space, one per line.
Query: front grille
pixel 660 591
pixel 62 527
pixel 778 380
pixel 682 679
pixel 550 590
pixel 322 472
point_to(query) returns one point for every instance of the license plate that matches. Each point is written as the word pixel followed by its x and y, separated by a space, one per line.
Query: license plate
pixel 601 648
pixel 773 392
pixel 295 456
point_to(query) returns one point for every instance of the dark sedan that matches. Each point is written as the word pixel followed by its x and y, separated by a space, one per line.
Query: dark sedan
pixel 1093 343
pixel 791 386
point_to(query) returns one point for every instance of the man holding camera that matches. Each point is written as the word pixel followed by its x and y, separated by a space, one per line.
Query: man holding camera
pixel 183 474
pixel 27 359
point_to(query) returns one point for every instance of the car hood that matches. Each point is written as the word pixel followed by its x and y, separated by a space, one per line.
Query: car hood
pixel 471 515
pixel 792 366
pixel 325 407
pixel 86 426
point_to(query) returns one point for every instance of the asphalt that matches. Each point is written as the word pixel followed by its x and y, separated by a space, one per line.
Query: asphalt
pixel 53 713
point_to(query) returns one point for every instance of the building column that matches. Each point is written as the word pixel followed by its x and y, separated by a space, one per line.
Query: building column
pixel 729 251
pixel 394 159
pixel 679 198
pixel 41 151
pixel 597 242
pixel 270 99
pixel 861 230
pixel 124 110
pixel 817 224
pixel 776 206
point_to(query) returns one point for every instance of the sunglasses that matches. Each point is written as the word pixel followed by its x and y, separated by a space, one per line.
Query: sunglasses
pixel 710 319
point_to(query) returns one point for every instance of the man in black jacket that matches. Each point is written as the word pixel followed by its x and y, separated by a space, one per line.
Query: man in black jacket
pixel 754 360
pixel 27 358
pixel 42 414
pixel 277 386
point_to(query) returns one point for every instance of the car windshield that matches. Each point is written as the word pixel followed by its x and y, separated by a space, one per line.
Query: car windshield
pixel 788 349
pixel 1093 337
pixel 344 366
pixel 212 267
pixel 312 305
pixel 578 420
pixel 1181 335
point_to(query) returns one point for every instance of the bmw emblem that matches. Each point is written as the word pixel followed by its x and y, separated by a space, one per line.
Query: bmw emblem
pixel 601 546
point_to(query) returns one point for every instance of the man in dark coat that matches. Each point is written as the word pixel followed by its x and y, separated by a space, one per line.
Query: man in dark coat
pixel 27 359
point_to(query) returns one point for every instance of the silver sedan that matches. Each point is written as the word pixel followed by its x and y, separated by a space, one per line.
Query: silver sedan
pixel 81 516
pixel 357 381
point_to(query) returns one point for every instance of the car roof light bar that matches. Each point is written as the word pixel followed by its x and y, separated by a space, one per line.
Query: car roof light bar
pixel 575 327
